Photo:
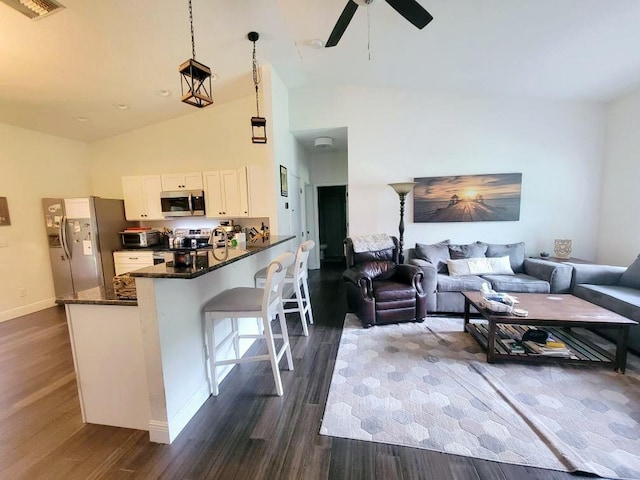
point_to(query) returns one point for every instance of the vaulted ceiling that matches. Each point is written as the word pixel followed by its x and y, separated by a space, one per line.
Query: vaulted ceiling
pixel 92 56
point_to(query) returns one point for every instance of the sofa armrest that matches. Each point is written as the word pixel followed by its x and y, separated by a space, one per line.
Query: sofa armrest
pixel 359 277
pixel 411 275
pixel 557 274
pixel 596 274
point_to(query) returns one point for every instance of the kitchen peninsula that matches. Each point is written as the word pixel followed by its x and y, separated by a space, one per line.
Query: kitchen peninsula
pixel 142 363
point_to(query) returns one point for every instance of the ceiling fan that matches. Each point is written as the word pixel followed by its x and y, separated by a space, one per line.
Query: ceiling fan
pixel 409 9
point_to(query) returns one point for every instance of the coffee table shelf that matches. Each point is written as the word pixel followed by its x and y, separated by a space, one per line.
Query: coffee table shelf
pixel 582 350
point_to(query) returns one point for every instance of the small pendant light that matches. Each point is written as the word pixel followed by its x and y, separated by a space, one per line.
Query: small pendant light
pixel 195 77
pixel 258 123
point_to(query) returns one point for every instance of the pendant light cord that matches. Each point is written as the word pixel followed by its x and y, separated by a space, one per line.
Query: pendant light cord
pixel 256 78
pixel 193 42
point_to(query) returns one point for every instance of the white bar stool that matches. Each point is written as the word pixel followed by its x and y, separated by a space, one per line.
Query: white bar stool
pixel 297 276
pixel 247 302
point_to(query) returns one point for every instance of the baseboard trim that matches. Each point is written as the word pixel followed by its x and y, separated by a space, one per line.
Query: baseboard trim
pixel 26 309
pixel 166 432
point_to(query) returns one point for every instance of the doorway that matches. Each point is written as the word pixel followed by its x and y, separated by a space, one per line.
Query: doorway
pixel 332 222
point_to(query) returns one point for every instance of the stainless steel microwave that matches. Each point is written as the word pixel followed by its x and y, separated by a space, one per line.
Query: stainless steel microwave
pixel 140 239
pixel 182 203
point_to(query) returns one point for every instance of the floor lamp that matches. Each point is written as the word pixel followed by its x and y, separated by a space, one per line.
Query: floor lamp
pixel 402 189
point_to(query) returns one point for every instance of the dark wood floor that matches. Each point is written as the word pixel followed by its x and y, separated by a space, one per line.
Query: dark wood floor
pixel 245 433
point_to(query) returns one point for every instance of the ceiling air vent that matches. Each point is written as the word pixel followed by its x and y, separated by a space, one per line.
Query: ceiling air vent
pixel 34 9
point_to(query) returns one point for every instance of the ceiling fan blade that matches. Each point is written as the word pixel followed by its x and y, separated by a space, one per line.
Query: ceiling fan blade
pixel 412 11
pixel 342 23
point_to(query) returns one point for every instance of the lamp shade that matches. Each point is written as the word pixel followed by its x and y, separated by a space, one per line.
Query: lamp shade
pixel 403 188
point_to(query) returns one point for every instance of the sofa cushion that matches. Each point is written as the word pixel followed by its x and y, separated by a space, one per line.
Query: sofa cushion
pixel 471 250
pixel 518 283
pixel 479 266
pixel 515 251
pixel 447 283
pixel 438 254
pixel 631 276
pixel 624 301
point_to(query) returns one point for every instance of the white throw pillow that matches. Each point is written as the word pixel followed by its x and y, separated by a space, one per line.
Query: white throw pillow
pixel 480 266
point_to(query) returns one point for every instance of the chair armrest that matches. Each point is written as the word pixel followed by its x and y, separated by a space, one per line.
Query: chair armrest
pixel 409 274
pixel 361 278
pixel 429 274
pixel 557 274
pixel 596 274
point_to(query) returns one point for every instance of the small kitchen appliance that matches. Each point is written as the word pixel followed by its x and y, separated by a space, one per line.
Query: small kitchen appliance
pixel 139 238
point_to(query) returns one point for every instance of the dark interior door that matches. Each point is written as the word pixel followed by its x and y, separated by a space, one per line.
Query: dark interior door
pixel 332 221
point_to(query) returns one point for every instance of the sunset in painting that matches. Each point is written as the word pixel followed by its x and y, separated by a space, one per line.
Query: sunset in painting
pixel 467 198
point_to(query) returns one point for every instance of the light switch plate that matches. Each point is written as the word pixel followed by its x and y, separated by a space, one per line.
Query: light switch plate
pixel 4 241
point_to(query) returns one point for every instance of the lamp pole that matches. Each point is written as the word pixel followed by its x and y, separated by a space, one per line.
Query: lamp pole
pixel 402 189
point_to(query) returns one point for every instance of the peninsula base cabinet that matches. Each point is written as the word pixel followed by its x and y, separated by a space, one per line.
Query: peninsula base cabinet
pixel 142 197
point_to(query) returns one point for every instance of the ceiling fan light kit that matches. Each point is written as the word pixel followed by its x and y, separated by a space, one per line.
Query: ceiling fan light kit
pixel 195 77
pixel 409 9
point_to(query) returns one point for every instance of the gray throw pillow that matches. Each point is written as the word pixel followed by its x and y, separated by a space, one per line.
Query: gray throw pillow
pixel 471 250
pixel 631 276
pixel 437 254
pixel 515 251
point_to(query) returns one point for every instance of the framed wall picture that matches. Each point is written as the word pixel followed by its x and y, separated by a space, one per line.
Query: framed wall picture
pixel 284 184
pixel 467 198
pixel 4 212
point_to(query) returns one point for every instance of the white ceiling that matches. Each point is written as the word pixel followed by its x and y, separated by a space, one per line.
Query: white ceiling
pixel 94 54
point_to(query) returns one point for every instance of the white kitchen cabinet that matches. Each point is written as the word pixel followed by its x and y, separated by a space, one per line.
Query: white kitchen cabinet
pixel 142 197
pixel 182 181
pixel 226 193
pixel 128 261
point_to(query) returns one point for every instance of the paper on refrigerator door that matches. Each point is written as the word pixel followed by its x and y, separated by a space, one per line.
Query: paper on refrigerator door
pixel 87 248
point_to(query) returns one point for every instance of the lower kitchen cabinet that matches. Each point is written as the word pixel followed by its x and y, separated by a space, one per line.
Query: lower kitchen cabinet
pixel 126 262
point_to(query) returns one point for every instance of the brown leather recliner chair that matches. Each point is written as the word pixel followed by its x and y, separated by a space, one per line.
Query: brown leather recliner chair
pixel 381 291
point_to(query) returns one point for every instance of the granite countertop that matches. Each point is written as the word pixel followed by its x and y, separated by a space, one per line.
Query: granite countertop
pixel 206 261
pixel 209 260
pixel 96 296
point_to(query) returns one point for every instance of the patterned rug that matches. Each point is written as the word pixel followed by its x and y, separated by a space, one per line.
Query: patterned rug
pixel 427 385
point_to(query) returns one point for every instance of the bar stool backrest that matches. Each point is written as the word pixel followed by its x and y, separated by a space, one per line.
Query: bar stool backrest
pixel 302 259
pixel 276 273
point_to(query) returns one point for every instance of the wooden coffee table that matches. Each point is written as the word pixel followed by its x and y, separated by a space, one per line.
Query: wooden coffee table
pixel 557 314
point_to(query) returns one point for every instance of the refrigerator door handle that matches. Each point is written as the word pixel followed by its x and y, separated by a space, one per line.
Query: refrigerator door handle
pixel 63 237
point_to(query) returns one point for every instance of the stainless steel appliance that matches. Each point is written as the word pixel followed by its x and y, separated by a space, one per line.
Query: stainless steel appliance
pixel 82 235
pixel 191 238
pixel 182 203
pixel 140 238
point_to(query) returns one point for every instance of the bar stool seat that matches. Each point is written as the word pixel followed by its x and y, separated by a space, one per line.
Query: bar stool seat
pixel 246 302
pixel 297 276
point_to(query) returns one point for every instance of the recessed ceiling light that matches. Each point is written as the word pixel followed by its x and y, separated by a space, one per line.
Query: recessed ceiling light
pixel 81 119
pixel 316 43
pixel 214 77
pixel 121 106
pixel 164 93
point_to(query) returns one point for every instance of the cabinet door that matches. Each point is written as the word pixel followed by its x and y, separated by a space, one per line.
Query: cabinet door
pixel 213 194
pixel 172 181
pixel 152 187
pixel 193 181
pixel 231 193
pixel 134 203
pixel 243 191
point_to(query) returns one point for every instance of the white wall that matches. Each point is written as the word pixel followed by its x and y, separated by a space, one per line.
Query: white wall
pixel 33 166
pixel 395 136
pixel 328 168
pixel 619 233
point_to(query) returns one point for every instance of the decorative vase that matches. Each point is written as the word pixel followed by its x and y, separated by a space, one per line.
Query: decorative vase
pixel 562 248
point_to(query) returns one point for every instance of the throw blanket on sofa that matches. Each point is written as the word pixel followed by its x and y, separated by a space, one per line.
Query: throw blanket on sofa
pixel 372 243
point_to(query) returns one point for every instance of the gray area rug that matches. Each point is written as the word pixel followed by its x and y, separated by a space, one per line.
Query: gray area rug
pixel 427 385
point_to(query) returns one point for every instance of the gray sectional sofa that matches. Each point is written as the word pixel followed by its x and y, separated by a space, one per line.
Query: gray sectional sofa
pixel 485 263
pixel 614 288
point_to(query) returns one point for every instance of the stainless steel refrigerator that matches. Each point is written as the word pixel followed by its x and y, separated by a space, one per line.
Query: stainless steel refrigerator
pixel 82 235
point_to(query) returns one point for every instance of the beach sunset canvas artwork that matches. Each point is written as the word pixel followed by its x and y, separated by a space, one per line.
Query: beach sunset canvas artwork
pixel 467 198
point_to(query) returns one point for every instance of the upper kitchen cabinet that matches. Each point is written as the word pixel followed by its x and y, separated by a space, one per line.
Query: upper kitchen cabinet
pixel 226 193
pixel 182 181
pixel 142 197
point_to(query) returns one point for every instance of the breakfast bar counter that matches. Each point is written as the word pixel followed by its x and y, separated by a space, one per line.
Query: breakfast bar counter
pixel 143 363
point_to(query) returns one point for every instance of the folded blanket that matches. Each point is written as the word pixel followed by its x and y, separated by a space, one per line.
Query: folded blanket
pixel 372 243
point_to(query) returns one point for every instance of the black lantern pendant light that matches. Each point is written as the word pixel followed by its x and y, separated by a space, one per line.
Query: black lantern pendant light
pixel 195 77
pixel 258 123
